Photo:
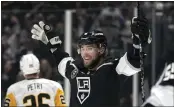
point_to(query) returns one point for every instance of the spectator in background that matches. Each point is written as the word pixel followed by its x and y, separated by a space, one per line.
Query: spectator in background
pixel 45 69
pixel 8 75
pixel 126 34
pixel 111 23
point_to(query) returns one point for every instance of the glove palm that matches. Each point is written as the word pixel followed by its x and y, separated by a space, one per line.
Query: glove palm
pixel 40 32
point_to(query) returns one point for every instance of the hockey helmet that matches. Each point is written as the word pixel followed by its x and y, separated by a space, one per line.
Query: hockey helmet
pixel 94 37
pixel 29 64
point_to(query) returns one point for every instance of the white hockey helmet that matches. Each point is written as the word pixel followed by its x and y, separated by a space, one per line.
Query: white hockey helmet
pixel 29 64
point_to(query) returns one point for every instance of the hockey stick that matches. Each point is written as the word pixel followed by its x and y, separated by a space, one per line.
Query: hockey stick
pixel 142 55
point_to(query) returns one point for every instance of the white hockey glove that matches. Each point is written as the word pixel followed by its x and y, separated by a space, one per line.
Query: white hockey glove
pixel 43 33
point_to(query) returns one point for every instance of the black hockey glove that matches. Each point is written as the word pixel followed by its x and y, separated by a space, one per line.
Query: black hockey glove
pixel 140 32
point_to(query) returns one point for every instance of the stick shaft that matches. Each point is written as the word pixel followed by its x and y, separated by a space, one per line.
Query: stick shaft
pixel 139 14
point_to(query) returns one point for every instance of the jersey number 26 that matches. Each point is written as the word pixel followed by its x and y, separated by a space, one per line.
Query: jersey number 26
pixel 36 100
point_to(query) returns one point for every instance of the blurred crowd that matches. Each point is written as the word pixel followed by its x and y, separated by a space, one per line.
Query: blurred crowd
pixel 113 18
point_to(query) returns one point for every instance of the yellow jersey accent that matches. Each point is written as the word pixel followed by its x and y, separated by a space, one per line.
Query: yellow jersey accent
pixel 35 92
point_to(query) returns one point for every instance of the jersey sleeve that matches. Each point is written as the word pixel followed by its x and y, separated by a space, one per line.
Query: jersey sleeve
pixel 152 100
pixel 10 100
pixel 66 66
pixel 59 97
pixel 129 64
pixel 161 96
pixel 65 63
pixel 69 68
pixel 59 54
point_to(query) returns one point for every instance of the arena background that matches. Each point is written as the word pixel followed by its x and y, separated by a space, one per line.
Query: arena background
pixel 114 18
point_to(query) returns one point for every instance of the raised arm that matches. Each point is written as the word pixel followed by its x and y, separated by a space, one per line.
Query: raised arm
pixel 129 64
pixel 64 62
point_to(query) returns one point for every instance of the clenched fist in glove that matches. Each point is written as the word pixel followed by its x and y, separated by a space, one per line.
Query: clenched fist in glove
pixel 39 32
pixel 140 31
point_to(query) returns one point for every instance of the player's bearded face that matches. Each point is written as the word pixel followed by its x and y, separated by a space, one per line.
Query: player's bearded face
pixel 90 54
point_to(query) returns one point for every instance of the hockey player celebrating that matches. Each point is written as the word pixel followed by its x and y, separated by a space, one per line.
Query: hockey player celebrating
pixel 34 91
pixel 94 78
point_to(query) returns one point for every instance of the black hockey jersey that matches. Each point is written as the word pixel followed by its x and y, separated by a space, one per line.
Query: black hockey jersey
pixel 98 88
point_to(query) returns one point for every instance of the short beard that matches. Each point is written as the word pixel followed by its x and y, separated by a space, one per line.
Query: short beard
pixel 94 63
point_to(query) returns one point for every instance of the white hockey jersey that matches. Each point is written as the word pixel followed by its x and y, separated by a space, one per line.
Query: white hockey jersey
pixel 162 94
pixel 35 93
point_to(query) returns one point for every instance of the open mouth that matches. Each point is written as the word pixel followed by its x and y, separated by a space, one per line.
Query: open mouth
pixel 86 60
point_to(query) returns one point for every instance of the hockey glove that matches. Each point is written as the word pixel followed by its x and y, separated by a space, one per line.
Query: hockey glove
pixel 140 32
pixel 43 33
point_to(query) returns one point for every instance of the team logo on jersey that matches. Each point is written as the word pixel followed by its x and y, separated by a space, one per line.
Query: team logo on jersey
pixel 83 85
pixel 74 73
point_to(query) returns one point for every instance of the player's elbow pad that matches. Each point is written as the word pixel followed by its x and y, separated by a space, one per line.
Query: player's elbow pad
pixel 59 55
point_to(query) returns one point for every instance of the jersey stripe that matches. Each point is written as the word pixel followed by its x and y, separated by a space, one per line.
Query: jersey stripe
pixel 125 68
pixel 12 99
pixel 62 65
pixel 59 98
